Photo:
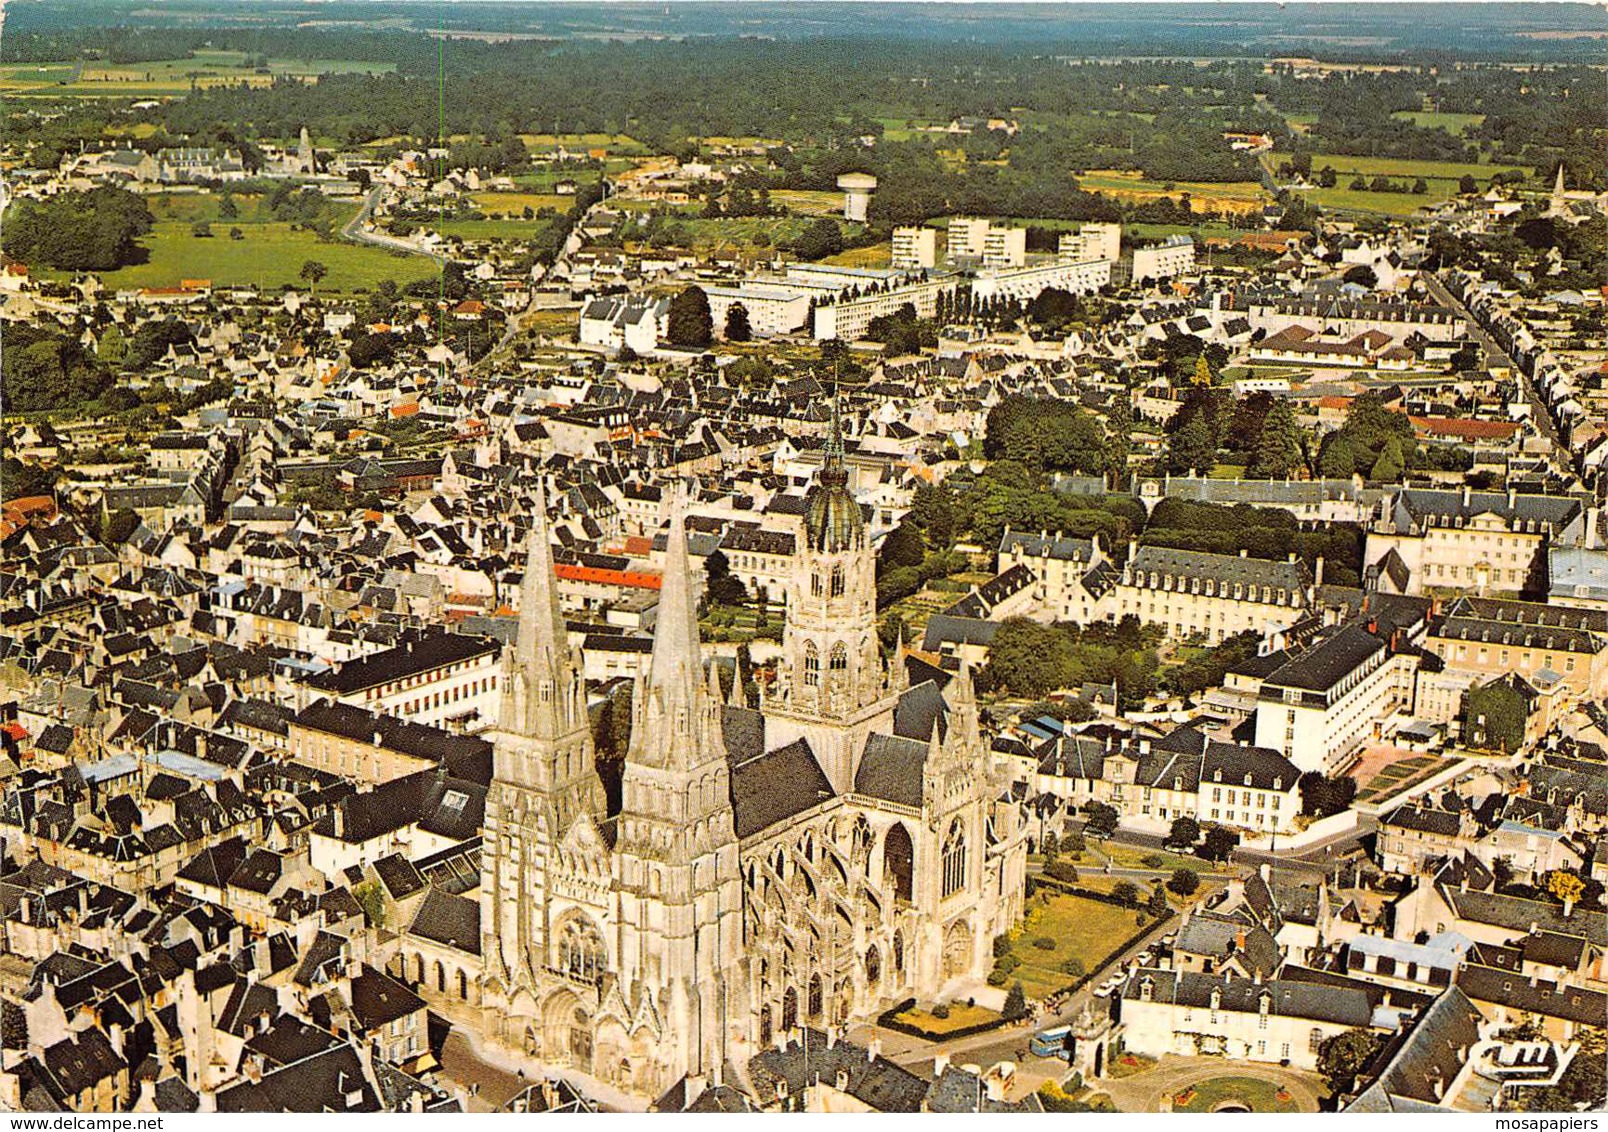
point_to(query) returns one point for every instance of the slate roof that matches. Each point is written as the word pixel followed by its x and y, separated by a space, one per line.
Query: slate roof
pixel 448 919
pixel 1321 667
pixel 1344 1006
pixel 776 786
pixel 892 769
pixel 1434 1047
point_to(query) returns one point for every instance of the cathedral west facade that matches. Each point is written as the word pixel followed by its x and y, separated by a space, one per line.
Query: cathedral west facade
pixel 840 847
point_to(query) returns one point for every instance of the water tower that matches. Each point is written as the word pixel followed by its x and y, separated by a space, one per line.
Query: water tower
pixel 856 194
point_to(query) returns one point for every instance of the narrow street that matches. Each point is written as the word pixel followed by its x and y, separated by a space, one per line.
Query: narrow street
pixel 1539 413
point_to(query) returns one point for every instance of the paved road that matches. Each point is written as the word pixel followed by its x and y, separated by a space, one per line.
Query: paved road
pixel 1539 413
pixel 1314 859
pixel 355 231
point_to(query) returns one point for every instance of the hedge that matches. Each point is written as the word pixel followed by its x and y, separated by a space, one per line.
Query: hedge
pixel 886 1019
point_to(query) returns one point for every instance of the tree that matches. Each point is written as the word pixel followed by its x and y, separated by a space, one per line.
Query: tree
pixel 1219 843
pixel 722 587
pixel 1184 881
pixel 1126 893
pixel 737 328
pixel 1061 870
pixel 1278 449
pixel 1494 716
pixel 112 347
pixel 1191 448
pixel 1157 904
pixel 1015 1008
pixel 902 547
pixel 371 898
pixel 1321 796
pixel 1391 463
pixel 1203 373
pixel 1051 845
pixel 690 323
pixel 79 231
pixel 201 230
pixel 236 234
pixel 227 209
pixel 1345 1055
pixel 1185 832
pixel 1029 658
pixel 1102 819
pixel 1467 185
pixel 1362 275
pixel 1073 843
pixel 1565 887
pixel 311 272
pixel 819 240
pixel 1420 187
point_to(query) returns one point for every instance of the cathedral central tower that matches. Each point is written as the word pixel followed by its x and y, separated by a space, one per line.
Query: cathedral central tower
pixel 834 687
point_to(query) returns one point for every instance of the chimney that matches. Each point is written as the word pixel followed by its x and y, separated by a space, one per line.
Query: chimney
pixel 940 1065
pixel 1468 495
pixel 1244 553
pixel 378 739
pixel 1317 571
pixel 873 1049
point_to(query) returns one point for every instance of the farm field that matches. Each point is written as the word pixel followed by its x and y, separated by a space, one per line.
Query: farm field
pixel 1083 929
pixel 1390 204
pixel 518 202
pixel 1226 196
pixel 809 202
pixel 511 229
pixel 271 255
pixel 617 144
pixel 1402 167
pixel 873 255
pixel 169 76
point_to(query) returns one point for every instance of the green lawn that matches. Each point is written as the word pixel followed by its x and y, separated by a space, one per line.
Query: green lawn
pixel 1403 168
pixel 518 229
pixel 1252 1092
pixel 1088 930
pixel 1437 120
pixel 1360 200
pixel 960 1017
pixel 270 255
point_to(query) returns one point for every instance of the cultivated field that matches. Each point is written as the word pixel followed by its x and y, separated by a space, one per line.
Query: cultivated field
pixel 168 76
pixel 1229 196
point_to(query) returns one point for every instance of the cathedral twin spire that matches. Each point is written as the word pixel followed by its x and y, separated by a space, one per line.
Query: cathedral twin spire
pixel 677 722
pixel 543 697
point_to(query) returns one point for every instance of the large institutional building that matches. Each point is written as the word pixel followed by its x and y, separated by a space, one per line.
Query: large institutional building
pixel 841 847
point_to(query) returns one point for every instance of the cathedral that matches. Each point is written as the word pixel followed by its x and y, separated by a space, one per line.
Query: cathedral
pixel 841 846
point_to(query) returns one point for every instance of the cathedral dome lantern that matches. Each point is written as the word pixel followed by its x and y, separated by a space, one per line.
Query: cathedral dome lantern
pixel 832 518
